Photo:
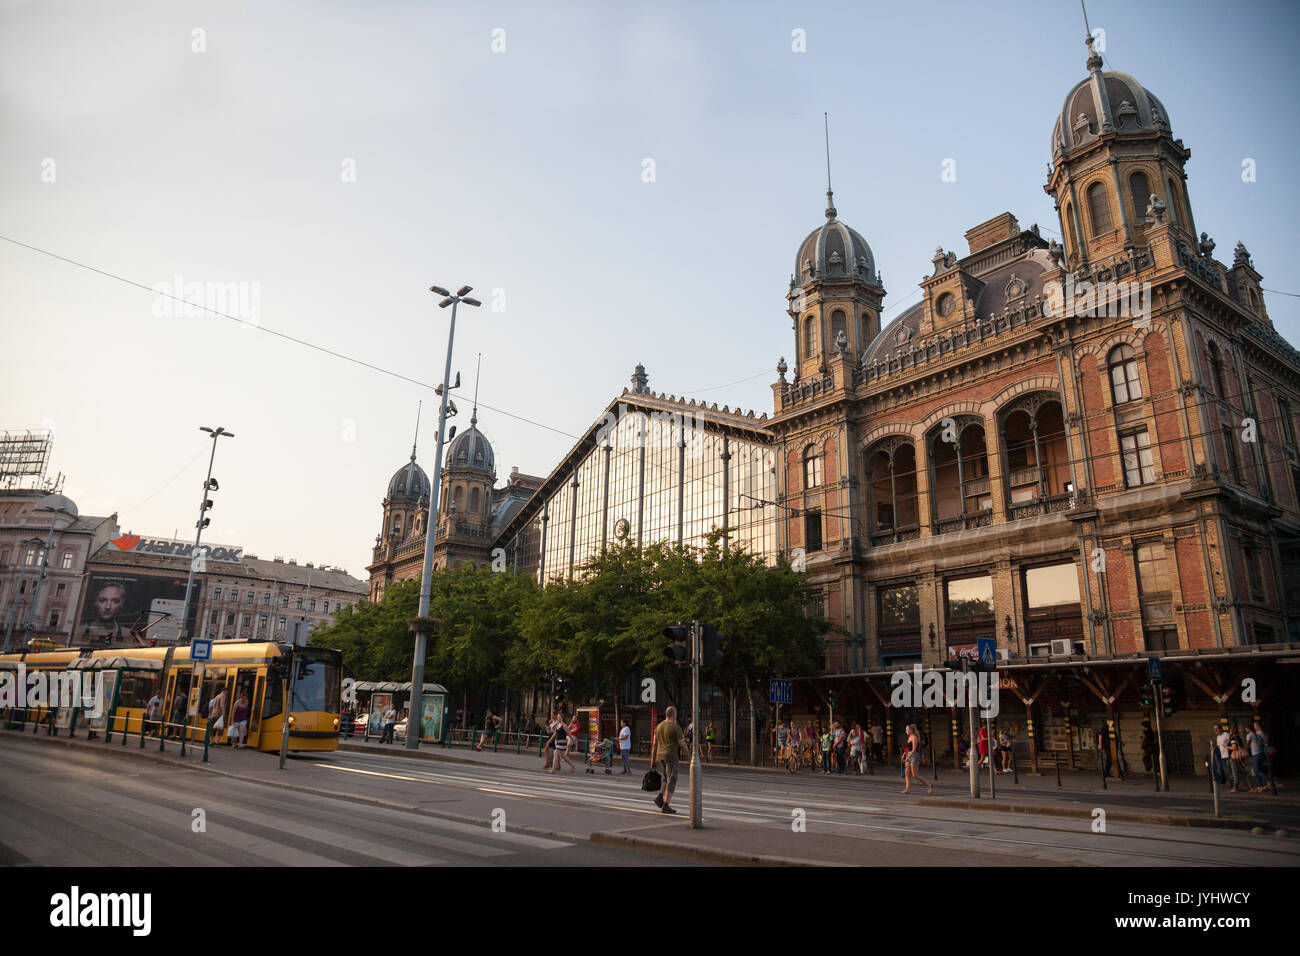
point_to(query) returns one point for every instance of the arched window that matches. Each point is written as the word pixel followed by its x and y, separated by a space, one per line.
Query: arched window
pixel 812 467
pixel 1140 187
pixel 891 487
pixel 838 325
pixel 1216 371
pixel 1172 202
pixel 1125 384
pixel 959 459
pixel 1099 209
pixel 809 338
pixel 1037 457
pixel 458 497
pixel 473 501
pixel 1067 226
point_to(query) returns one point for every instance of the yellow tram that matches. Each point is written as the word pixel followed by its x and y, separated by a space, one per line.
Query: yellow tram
pixel 260 669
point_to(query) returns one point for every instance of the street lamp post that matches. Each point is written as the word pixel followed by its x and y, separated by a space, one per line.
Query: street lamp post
pixel 430 526
pixel 185 636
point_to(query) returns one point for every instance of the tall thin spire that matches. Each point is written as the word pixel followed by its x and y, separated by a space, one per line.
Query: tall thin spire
pixel 416 440
pixel 1094 58
pixel 830 201
pixel 473 418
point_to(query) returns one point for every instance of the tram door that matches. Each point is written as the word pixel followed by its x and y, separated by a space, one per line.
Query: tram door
pixel 245 682
pixel 255 715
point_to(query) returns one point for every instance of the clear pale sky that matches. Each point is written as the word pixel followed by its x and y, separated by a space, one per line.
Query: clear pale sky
pixel 521 171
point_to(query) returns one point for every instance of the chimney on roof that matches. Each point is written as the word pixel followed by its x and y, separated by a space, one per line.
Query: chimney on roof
pixel 279 559
pixel 293 561
pixel 310 565
pixel 998 228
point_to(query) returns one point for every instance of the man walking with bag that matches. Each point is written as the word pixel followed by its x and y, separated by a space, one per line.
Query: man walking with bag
pixel 665 748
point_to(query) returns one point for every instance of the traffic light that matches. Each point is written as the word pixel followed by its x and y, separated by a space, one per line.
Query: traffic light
pixel 1147 696
pixel 1166 701
pixel 679 650
pixel 830 697
pixel 108 640
pixel 712 651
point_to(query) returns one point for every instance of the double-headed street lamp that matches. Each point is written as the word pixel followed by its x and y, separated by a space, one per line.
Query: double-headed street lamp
pixel 430 526
pixel 209 484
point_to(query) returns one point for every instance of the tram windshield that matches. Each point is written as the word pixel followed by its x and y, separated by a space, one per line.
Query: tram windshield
pixel 316 683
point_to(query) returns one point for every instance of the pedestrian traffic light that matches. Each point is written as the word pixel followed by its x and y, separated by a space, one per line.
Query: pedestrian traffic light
pixel 108 640
pixel 712 650
pixel 1147 696
pixel 679 650
pixel 1166 701
pixel 830 697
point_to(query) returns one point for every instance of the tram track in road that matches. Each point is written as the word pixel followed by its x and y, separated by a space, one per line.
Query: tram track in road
pixel 760 808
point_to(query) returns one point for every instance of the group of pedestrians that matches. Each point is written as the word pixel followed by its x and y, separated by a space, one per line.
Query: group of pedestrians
pixel 563 740
pixel 839 747
pixel 1237 758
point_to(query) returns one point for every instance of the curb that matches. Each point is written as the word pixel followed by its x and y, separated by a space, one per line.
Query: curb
pixel 1122 816
pixel 693 852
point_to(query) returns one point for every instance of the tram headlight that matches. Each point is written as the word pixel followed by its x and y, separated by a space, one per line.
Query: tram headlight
pixel 336 723
pixel 291 720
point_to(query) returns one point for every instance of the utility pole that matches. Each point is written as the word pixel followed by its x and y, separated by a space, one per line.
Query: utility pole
pixel 697 772
pixel 431 523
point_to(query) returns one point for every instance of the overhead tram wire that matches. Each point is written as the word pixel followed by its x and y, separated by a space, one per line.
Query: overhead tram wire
pixel 398 375
pixel 298 341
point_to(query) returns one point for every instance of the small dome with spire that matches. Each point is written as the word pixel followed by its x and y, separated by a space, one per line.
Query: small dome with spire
pixel 410 483
pixel 472 450
pixel 1105 103
pixel 834 251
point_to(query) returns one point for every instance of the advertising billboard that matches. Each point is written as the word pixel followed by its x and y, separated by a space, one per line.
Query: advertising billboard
pixel 120 605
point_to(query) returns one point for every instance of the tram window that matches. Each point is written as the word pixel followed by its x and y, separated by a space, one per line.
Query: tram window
pixel 213 682
pixel 137 688
pixel 274 702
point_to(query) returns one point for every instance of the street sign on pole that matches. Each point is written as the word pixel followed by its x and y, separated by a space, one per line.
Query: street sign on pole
pixel 988 653
pixel 200 649
pixel 1153 669
pixel 780 691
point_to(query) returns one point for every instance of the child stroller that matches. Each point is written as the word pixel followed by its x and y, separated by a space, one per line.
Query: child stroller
pixel 603 752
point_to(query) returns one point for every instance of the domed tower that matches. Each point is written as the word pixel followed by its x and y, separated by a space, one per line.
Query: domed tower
pixel 468 476
pixel 405 504
pixel 1112 150
pixel 834 290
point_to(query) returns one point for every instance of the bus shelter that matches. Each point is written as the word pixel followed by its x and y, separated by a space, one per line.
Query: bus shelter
pixel 375 697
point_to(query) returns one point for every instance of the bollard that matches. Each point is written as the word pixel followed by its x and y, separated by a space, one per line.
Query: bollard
pixel 1101 763
pixel 1214 787
pixel 519 743
pixel 1057 761
pixel 207 737
pixel 1015 768
pixel 933 762
pixel 143 728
